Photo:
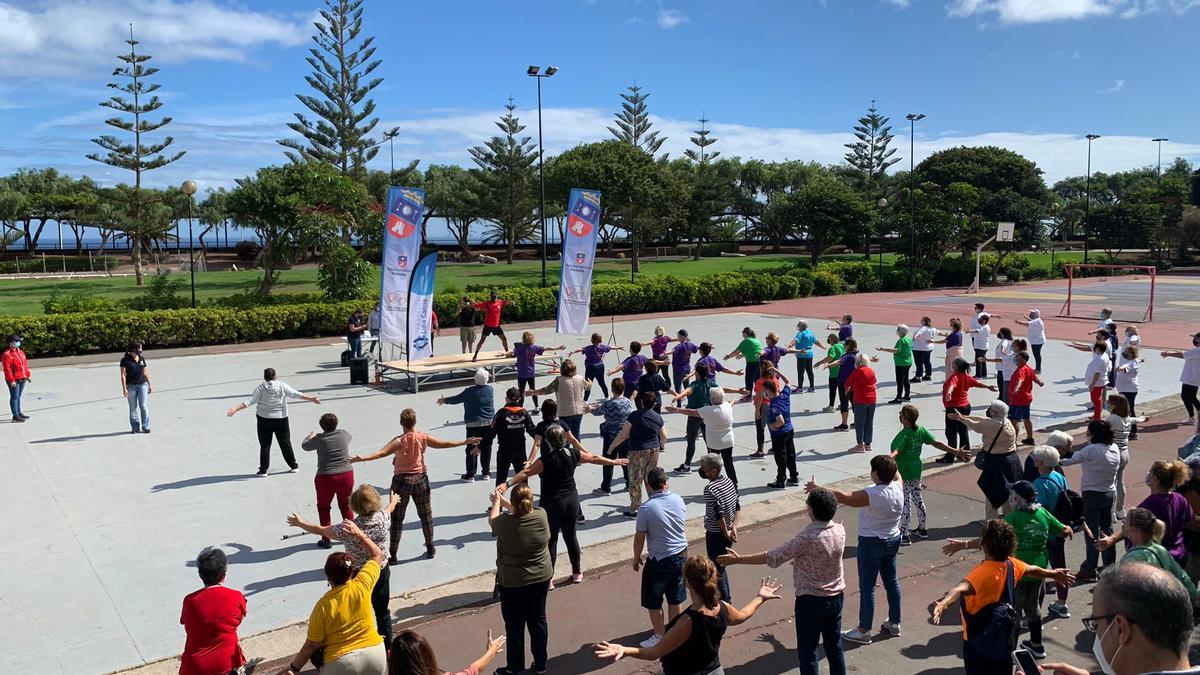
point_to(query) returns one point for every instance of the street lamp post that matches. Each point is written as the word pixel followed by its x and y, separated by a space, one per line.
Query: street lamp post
pixel 882 204
pixel 1160 141
pixel 533 71
pixel 189 189
pixel 912 118
pixel 1087 208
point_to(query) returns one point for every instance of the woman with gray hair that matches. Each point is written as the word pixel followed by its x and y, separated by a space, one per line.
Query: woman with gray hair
pixel 1051 483
pixel 862 386
pixel 1001 467
pixel 1037 336
pixel 902 357
pixel 721 508
pixel 717 417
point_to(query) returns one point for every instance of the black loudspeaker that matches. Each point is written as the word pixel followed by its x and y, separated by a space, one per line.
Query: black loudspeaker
pixel 360 370
pixel 346 358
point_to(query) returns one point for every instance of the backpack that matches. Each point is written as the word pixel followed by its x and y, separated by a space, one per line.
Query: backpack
pixel 992 630
pixel 1069 508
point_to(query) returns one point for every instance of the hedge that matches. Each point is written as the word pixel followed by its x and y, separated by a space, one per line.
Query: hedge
pixel 91 331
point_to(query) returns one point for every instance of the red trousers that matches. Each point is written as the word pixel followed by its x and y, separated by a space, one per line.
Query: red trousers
pixel 1097 402
pixel 330 485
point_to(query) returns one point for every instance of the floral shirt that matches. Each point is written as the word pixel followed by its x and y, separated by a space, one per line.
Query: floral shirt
pixel 816 555
pixel 375 526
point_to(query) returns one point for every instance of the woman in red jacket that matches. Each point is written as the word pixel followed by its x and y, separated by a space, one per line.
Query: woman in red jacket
pixel 16 375
pixel 954 399
pixel 861 387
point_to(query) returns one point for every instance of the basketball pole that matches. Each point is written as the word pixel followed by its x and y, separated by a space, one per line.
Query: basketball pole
pixel 1002 234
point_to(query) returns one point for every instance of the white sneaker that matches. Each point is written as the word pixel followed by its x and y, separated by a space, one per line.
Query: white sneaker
pixel 650 641
pixel 827 408
pixel 1190 420
pixel 893 628
pixel 856 635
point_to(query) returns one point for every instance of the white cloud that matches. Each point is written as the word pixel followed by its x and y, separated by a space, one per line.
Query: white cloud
pixel 75 38
pixel 631 20
pixel 1117 87
pixel 227 142
pixel 671 18
pixel 1040 11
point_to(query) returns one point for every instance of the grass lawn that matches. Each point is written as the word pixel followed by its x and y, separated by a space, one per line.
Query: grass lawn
pixel 24 296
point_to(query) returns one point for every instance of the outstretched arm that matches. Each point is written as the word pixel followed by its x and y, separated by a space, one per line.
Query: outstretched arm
pixel 767 590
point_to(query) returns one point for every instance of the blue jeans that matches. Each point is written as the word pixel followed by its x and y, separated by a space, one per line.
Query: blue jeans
pixel 717 544
pixel 876 558
pixel 355 344
pixel 818 618
pixel 137 401
pixel 573 422
pixel 14 396
pixel 864 422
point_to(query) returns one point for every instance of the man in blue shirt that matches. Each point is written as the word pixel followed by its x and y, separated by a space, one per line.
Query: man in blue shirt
pixel 783 446
pixel 660 530
pixel 479 410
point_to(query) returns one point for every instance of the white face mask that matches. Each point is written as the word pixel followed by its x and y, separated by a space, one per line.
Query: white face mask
pixel 1098 651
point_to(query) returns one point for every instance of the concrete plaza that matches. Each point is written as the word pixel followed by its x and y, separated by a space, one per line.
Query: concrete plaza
pixel 113 521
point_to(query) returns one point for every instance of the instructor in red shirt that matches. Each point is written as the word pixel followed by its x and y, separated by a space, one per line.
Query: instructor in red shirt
pixel 491 322
pixel 211 617
pixel 1020 394
pixel 955 399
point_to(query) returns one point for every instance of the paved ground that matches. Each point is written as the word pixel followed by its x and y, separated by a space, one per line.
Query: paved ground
pixel 115 520
pixel 766 644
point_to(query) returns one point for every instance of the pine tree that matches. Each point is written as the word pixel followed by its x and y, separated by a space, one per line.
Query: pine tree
pixel 633 123
pixel 341 63
pixel 136 157
pixel 506 172
pixel 705 203
pixel 870 154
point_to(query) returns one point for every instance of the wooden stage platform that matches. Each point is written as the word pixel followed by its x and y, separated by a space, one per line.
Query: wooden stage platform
pixel 457 368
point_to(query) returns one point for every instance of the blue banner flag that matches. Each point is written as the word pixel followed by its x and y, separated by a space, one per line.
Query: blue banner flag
pixel 420 308
pixel 578 256
pixel 401 247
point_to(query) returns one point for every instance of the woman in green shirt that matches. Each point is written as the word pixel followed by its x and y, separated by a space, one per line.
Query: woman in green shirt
pixel 749 348
pixel 837 391
pixel 1144 532
pixel 906 450
pixel 523 572
pixel 902 356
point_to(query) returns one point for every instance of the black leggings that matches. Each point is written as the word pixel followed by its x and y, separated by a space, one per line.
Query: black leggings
pixel 1037 357
pixel 563 514
pixel 903 388
pixel 524 383
pixel 980 366
pixel 751 374
pixel 956 432
pixel 594 374
pixel 837 391
pixel 804 367
pixel 760 426
pixel 506 458
pixel 727 459
pixel 1131 396
pixel 1002 394
pixel 1187 392
pixel 924 361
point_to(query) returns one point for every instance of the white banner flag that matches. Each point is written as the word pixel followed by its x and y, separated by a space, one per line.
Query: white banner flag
pixel 401 247
pixel 578 257
pixel 420 308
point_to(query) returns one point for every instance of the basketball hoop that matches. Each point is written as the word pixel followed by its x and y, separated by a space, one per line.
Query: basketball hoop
pixel 1004 232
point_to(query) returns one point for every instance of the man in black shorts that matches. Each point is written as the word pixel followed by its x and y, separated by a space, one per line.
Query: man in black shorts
pixel 491 322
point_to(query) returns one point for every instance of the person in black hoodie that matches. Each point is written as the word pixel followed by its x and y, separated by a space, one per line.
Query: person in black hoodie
pixel 509 428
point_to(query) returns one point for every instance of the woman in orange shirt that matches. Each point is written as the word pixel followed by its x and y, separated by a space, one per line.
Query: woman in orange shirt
pixel 411 479
pixel 987 585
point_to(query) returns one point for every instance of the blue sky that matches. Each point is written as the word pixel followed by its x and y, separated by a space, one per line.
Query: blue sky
pixel 778 79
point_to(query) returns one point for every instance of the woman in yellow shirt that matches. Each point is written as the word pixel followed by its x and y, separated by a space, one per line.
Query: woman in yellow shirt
pixel 342 624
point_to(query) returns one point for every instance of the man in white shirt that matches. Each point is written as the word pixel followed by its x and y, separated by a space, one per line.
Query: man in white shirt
pixel 270 401
pixel 980 340
pixel 878 544
pixel 1189 378
pixel 1095 378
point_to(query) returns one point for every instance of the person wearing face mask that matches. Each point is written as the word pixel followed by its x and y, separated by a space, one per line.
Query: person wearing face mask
pixel 1142 619
pixel 135 386
pixel 1171 508
pixel 1190 377
pixel 902 357
pixel 1099 460
pixel 16 376
pixel 1127 383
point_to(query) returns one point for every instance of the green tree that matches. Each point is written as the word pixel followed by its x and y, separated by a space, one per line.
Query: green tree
pixel 508 182
pixel 453 193
pixel 138 156
pixel 707 185
pixel 45 196
pixel 633 123
pixel 869 157
pixel 639 196
pixel 293 208
pixel 761 198
pixel 213 213
pixel 825 208
pixel 343 275
pixel 343 112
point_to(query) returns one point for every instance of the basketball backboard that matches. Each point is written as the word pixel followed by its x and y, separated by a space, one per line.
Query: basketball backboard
pixel 1004 231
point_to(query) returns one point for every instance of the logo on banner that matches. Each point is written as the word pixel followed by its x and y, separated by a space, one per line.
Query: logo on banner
pixel 421 342
pixel 581 216
pixel 402 261
pixel 580 258
pixel 401 217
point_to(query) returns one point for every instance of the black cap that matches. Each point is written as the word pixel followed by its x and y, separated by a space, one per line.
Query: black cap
pixel 682 332
pixel 14 337
pixel 1025 490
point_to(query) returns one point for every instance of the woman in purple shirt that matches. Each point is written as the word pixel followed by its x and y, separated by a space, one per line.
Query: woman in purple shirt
pixel 714 366
pixel 658 349
pixel 954 344
pixel 681 358
pixel 593 362
pixel 632 368
pixel 773 352
pixel 525 352
pixel 1170 507
pixel 844 326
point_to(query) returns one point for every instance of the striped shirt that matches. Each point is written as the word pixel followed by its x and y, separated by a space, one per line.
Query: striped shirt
pixel 720 503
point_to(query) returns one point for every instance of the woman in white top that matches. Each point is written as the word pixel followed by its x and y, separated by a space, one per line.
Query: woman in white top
pixel 922 340
pixel 1132 337
pixel 1190 377
pixel 1100 460
pixel 1119 419
pixel 1036 335
pixel 1004 355
pixel 718 427
pixel 270 404
pixel 1127 383
pixel 981 339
